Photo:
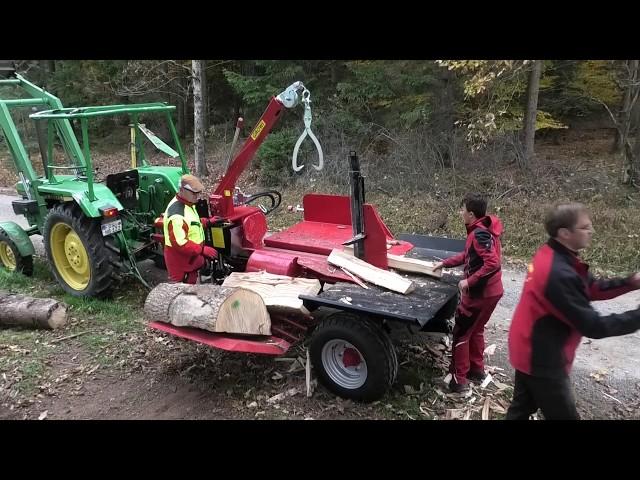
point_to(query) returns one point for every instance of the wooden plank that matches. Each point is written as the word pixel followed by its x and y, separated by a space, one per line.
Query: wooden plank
pixel 279 292
pixel 368 272
pixel 400 262
pixel 406 264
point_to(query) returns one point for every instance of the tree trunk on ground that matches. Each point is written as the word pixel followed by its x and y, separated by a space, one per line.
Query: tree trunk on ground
pixel 24 311
pixel 529 129
pixel 208 307
pixel 198 117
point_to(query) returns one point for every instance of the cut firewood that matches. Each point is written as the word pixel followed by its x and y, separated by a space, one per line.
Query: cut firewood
pixel 307 368
pixel 208 307
pixel 368 272
pixel 354 278
pixel 279 292
pixel 485 409
pixel 406 264
pixel 400 262
pixel 23 311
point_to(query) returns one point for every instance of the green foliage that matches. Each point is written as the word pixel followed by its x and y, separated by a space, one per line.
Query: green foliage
pixel 597 79
pixel 274 157
pixel 383 90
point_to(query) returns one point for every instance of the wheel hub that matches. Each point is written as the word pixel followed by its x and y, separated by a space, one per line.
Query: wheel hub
pixel 7 257
pixel 344 364
pixel 351 357
pixel 75 253
pixel 69 256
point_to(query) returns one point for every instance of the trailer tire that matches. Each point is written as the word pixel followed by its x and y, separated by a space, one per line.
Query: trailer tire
pixel 77 254
pixel 10 257
pixel 353 357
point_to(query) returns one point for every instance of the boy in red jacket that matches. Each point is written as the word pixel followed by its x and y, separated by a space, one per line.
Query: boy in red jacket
pixel 480 290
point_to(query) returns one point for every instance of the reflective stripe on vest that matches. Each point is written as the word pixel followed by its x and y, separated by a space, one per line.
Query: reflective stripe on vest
pixel 178 214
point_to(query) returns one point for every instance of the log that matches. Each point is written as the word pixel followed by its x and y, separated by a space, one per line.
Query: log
pixel 24 311
pixel 208 307
pixel 400 262
pixel 279 292
pixel 368 272
pixel 405 264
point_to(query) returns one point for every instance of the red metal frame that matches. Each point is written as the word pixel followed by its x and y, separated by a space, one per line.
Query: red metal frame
pixel 265 345
pixel 221 201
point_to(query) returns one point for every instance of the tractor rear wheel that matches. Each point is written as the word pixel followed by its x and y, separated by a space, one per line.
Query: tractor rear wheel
pixel 353 357
pixel 76 251
pixel 10 257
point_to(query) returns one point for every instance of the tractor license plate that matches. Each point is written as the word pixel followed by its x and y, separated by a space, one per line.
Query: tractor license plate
pixel 111 227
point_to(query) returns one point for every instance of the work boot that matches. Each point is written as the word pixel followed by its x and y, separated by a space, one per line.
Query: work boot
pixel 458 387
pixel 476 376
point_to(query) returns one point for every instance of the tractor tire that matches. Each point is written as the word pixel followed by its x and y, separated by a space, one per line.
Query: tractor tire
pixel 353 357
pixel 77 254
pixel 10 258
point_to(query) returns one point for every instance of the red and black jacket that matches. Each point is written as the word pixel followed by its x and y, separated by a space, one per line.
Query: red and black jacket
pixel 554 312
pixel 482 258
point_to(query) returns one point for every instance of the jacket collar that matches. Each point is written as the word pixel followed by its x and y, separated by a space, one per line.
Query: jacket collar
pixel 183 200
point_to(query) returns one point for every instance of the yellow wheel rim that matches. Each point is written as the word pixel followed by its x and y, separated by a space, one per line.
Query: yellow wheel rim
pixel 70 257
pixel 7 257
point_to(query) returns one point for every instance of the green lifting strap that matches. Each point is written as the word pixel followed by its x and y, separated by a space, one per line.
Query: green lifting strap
pixel 159 144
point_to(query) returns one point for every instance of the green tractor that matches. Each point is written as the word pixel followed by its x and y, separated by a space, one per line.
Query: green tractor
pixel 95 232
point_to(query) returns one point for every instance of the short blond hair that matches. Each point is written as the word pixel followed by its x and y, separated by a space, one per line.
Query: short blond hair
pixel 563 215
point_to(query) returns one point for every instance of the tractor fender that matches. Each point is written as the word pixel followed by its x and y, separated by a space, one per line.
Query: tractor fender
pixel 104 199
pixel 17 234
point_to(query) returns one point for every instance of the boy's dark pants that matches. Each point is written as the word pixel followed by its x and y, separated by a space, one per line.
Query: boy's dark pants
pixel 467 350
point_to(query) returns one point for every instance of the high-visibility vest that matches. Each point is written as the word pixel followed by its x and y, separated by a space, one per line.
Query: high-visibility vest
pixel 184 223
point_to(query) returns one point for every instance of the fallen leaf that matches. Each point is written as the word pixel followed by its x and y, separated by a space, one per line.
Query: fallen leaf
pixel 43 415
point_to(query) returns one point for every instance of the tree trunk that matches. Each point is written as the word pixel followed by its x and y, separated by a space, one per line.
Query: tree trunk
pixel 206 107
pixel 532 110
pixel 624 115
pixel 279 292
pixel 178 94
pixel 208 307
pixel 198 117
pixel 20 310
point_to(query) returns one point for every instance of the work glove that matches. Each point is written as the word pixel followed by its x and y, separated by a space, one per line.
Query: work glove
pixel 209 252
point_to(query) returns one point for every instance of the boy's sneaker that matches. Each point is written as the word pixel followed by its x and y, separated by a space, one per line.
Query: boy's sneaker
pixel 476 376
pixel 458 387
